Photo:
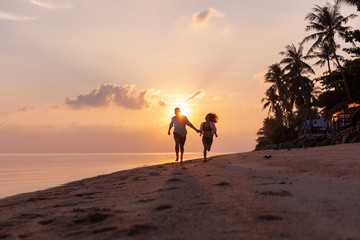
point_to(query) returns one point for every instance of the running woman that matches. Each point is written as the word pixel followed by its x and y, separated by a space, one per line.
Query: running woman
pixel 208 130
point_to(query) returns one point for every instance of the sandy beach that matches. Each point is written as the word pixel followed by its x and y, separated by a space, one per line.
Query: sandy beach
pixel 309 193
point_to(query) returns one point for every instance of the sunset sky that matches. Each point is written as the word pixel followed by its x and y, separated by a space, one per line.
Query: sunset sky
pixel 104 76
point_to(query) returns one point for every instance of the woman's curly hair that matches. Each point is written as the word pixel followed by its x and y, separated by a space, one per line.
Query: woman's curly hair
pixel 213 117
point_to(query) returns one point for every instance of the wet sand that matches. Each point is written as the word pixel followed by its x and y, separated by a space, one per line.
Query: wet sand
pixel 298 194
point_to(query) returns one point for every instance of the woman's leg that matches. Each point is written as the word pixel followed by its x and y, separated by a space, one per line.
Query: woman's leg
pixel 205 149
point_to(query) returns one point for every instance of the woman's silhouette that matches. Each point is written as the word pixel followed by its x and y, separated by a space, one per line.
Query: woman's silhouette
pixel 208 130
pixel 179 122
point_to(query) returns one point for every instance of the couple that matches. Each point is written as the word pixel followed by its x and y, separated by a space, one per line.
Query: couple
pixel 207 129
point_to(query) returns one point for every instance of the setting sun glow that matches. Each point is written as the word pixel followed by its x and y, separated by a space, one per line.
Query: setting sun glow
pixel 184 109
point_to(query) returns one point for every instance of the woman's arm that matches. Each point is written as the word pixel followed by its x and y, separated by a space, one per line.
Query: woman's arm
pixel 213 127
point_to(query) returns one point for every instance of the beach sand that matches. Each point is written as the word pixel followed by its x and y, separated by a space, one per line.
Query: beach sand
pixel 309 193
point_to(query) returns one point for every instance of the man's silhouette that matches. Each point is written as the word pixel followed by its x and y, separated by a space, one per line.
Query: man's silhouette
pixel 179 122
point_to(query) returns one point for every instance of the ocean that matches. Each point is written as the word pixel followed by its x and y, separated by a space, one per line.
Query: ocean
pixel 21 173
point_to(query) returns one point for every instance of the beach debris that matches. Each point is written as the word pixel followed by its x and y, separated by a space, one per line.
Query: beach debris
pixel 163 207
pixel 154 174
pixel 267 156
pixel 269 218
pixel 280 193
pixel 222 184
pixel 140 228
pixel 346 136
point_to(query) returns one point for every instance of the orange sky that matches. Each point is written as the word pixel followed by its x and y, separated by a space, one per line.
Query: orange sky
pixel 84 76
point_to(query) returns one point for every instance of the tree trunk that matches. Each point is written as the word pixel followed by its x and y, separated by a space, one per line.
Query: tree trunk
pixel 343 76
pixel 328 62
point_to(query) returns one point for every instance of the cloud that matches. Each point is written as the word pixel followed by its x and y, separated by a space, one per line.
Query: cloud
pixel 126 96
pixel 217 98
pixel 196 95
pixel 52 4
pixel 201 19
pixel 259 76
pixel 23 108
pixel 163 103
pixel 14 17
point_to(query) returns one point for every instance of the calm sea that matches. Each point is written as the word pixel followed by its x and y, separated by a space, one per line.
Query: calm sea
pixel 21 173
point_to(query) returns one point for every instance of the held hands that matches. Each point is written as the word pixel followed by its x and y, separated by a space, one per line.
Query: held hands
pixel 168 132
pixel 216 135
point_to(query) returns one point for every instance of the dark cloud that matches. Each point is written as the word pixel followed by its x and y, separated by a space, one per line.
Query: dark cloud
pixel 195 95
pixel 126 96
pixel 162 103
pixel 202 18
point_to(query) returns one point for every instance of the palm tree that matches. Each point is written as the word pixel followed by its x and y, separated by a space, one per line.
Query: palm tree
pixel 272 101
pixel 296 67
pixel 351 2
pixel 325 56
pixel 276 76
pixel 328 22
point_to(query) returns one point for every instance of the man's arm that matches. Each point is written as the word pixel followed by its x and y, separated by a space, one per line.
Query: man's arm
pixel 192 126
pixel 170 126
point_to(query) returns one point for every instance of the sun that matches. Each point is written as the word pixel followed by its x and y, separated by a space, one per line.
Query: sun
pixel 184 109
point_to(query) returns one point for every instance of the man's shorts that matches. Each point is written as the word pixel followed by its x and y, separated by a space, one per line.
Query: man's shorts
pixel 179 139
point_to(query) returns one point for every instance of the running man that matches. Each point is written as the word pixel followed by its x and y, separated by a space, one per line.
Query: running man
pixel 179 122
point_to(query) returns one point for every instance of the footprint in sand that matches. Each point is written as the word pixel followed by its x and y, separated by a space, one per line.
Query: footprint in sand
pixel 174 180
pixel 101 230
pixel 172 188
pixel 145 200
pixel 280 193
pixel 86 194
pixel 269 218
pixel 47 222
pixel 140 229
pixel 135 179
pixel 91 218
pixel 163 207
pixel 222 184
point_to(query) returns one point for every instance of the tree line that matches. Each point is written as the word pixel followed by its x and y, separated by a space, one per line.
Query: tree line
pixel 293 94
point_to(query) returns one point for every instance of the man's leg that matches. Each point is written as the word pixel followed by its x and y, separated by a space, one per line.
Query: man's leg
pixel 182 143
pixel 177 144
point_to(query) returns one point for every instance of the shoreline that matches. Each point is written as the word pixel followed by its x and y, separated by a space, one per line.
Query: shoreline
pixel 54 169
pixel 297 194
